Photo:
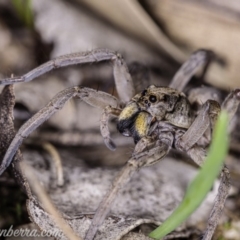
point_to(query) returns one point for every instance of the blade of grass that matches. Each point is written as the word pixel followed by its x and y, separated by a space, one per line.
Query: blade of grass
pixel 201 185
pixel 24 11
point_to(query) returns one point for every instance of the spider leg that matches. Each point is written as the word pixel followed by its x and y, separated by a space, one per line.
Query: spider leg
pixel 122 77
pixel 108 111
pixel 197 60
pixel 144 144
pixel 137 161
pixel 230 104
pixel 62 61
pixel 187 143
pixel 206 118
pixel 199 95
pixel 218 204
pixel 92 97
pixel 198 155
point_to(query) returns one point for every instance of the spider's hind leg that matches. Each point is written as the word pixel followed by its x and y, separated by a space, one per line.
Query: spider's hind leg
pixel 204 121
pixel 188 143
pixel 196 61
pixel 198 154
pixel 219 202
pixel 230 104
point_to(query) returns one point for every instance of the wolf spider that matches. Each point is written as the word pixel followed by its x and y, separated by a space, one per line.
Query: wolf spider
pixel 158 119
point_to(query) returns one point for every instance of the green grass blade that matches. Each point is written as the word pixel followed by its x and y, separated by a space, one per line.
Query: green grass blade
pixel 201 185
pixel 24 11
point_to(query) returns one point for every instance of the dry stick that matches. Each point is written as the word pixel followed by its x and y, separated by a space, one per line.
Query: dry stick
pixel 57 162
pixel 47 203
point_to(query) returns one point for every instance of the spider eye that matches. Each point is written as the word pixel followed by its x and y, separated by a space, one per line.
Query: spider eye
pixel 152 98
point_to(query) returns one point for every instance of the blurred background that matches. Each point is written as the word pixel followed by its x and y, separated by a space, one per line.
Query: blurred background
pixel 154 36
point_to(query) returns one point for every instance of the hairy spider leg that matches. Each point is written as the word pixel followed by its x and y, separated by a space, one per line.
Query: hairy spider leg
pixel 196 61
pixel 92 97
pixel 138 160
pixel 205 119
pixel 121 74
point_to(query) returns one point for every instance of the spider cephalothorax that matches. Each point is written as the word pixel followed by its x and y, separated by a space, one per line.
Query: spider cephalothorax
pixel 154 104
pixel 158 119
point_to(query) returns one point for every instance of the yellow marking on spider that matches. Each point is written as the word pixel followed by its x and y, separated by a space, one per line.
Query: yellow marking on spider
pixel 142 124
pixel 128 111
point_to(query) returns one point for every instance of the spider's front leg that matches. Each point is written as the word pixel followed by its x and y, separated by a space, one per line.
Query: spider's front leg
pixel 152 151
pixel 122 77
pixel 108 111
pixel 92 97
